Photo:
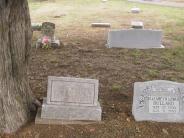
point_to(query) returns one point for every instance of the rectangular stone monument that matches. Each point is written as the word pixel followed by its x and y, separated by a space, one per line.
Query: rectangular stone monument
pixel 159 100
pixel 135 38
pixel 71 99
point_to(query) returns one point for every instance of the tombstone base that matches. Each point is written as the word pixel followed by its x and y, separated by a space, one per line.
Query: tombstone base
pixel 54 44
pixel 39 120
pixel 108 46
pixel 71 112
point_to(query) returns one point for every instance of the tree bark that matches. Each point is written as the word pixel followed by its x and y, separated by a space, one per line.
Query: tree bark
pixel 15 43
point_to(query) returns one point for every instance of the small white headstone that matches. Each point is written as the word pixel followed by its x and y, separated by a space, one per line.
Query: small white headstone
pixel 161 101
pixel 137 25
pixel 135 10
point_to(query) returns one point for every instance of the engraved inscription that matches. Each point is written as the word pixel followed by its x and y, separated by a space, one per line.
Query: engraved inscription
pixel 163 104
pixel 72 92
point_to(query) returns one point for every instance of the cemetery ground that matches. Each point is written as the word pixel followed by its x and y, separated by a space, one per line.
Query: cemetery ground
pixel 83 54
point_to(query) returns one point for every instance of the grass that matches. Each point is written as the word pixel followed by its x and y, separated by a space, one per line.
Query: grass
pixel 80 13
pixel 116 87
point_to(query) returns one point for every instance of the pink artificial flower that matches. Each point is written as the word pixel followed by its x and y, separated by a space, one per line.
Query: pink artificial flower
pixel 45 40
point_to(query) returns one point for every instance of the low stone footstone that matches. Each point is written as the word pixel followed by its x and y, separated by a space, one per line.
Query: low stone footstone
pixel 135 10
pixel 137 25
pixel 135 38
pixel 101 25
pixel 70 99
pixel 159 100
pixel 48 38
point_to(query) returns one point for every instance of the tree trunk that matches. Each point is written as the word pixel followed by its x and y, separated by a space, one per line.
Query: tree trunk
pixel 15 42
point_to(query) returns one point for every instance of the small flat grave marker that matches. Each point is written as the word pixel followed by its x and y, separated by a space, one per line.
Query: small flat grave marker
pixel 101 25
pixel 161 101
pixel 137 25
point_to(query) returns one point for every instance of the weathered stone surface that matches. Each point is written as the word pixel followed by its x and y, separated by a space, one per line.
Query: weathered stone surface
pixel 161 101
pixel 48 29
pixel 72 91
pixel 135 38
pixel 71 112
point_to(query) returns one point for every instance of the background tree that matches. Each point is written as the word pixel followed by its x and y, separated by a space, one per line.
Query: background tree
pixel 15 42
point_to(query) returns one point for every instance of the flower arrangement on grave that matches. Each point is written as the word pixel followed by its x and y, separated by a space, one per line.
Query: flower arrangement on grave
pixel 46 42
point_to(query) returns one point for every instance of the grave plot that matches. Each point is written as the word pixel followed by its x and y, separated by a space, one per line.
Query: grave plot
pixel 135 38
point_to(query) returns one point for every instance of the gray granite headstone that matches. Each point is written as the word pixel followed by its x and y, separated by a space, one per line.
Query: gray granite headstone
pixel 48 31
pixel 135 38
pixel 71 99
pixel 159 100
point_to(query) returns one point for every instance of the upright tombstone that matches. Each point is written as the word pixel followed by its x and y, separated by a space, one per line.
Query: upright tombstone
pixel 135 38
pixel 161 101
pixel 48 36
pixel 71 99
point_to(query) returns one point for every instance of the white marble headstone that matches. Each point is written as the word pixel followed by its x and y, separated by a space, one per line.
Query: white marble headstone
pixel 159 100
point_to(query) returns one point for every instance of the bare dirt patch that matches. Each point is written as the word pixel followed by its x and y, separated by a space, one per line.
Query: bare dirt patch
pixel 84 54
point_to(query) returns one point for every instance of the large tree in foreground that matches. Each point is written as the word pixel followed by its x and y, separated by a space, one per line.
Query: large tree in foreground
pixel 15 42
